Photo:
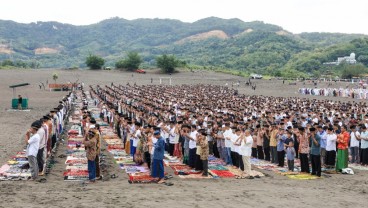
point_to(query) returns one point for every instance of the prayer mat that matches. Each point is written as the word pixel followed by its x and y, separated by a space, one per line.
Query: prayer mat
pixel 256 173
pixel 76 173
pixel 222 173
pixel 166 163
pixel 236 171
pixel 181 168
pixel 195 176
pixel 330 172
pixel 289 173
pixel 132 169
pixel 76 167
pixel 75 178
pixel 103 124
pixel 76 161
pixel 303 177
pixel 142 178
pixel 217 167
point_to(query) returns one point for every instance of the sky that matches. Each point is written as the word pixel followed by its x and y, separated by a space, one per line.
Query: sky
pixel 296 16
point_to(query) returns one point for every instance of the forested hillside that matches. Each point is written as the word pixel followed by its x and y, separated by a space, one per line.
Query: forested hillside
pixel 211 43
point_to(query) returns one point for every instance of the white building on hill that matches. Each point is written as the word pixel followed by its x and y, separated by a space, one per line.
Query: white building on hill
pixel 347 59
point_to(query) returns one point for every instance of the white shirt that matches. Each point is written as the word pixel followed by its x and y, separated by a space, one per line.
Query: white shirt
pixel 41 133
pixel 172 136
pixel 304 123
pixel 246 147
pixel 364 136
pixel 33 144
pixel 154 140
pixel 234 148
pixel 315 120
pixel 165 134
pixel 353 141
pixel 289 123
pixel 193 144
pixel 331 142
pixel 228 133
pixel 136 138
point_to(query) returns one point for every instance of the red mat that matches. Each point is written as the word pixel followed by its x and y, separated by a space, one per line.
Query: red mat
pixel 223 173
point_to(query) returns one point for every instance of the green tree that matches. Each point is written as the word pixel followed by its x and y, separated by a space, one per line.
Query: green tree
pixel 363 59
pixel 95 62
pixel 316 74
pixel 350 71
pixel 34 65
pixel 7 62
pixel 130 63
pixel 55 76
pixel 167 63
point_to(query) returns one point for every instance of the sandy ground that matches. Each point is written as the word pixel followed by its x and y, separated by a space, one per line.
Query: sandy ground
pixel 272 191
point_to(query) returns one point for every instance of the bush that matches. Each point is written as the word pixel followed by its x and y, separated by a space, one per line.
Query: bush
pixel 95 62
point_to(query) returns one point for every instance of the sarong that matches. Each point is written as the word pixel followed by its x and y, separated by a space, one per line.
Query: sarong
pixel 127 147
pixel 157 169
pixel 177 149
pixel 342 159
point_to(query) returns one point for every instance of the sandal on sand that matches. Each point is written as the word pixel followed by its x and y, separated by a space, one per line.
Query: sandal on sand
pixel 238 177
pixel 168 177
pixel 257 176
pixel 41 180
pixel 249 177
pixel 113 176
pixel 168 184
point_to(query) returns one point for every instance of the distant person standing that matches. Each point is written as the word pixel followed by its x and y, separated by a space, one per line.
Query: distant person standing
pixel 91 146
pixel 20 100
pixel 33 141
pixel 158 156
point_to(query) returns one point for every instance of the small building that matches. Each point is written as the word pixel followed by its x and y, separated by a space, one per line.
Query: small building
pixel 346 59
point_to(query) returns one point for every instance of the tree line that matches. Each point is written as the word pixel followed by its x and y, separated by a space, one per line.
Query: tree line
pixel 132 61
pixel 7 63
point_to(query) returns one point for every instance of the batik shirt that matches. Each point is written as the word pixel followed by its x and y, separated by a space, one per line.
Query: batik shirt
pixel 303 144
pixel 204 149
pixel 91 148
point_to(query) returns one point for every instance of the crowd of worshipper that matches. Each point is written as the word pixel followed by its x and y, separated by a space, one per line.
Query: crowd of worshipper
pixel 43 135
pixel 201 120
pixel 91 133
pixel 355 93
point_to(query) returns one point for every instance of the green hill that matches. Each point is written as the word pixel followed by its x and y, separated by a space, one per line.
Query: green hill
pixel 211 42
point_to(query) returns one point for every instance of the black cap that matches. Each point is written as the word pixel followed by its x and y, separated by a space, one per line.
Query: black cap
pixel 37 124
pixel 138 124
